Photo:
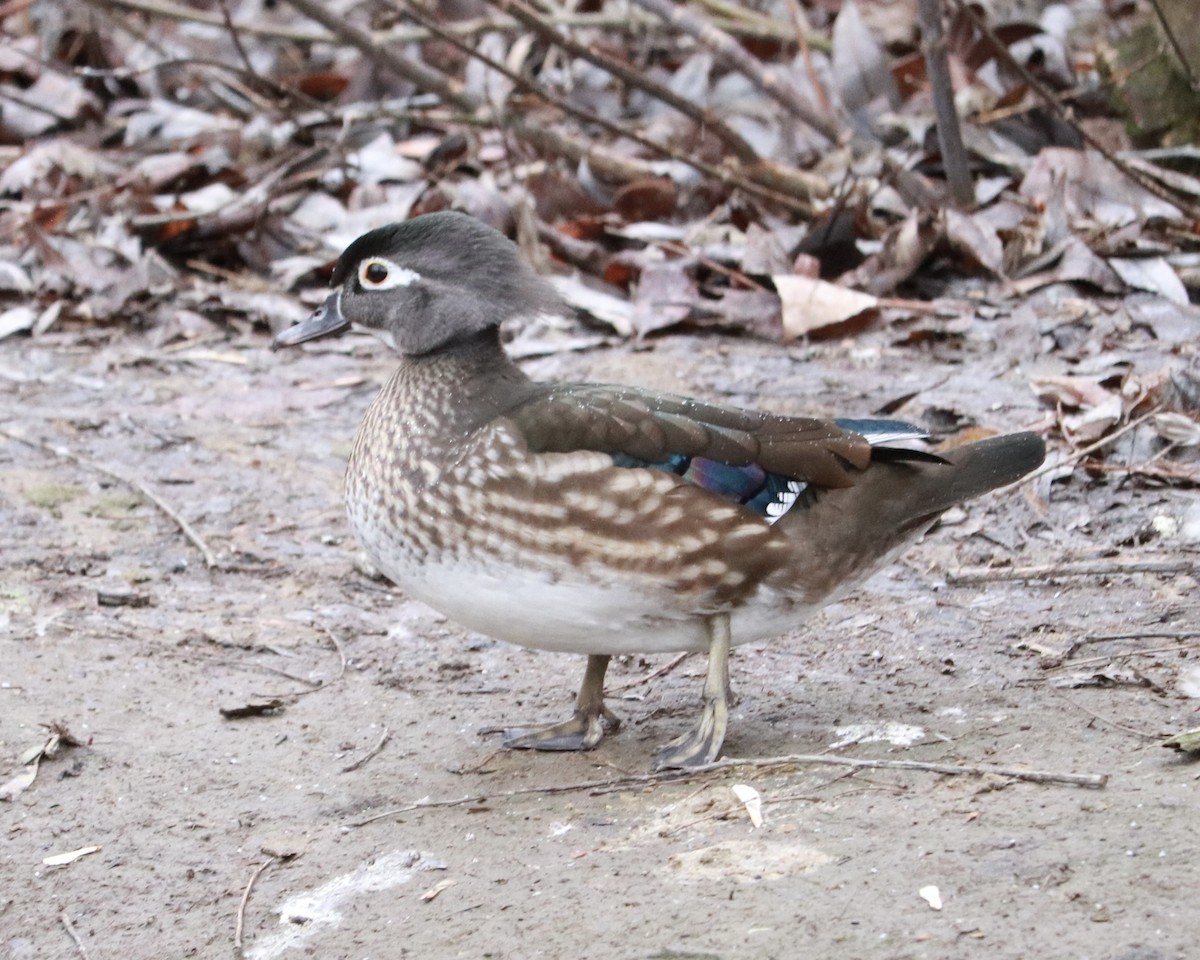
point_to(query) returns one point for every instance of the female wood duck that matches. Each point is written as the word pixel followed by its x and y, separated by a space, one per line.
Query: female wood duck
pixel 605 520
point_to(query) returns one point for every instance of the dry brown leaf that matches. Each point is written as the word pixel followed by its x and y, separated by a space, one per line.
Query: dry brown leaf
pixel 1091 189
pixel 860 65
pixel 975 237
pixel 1070 391
pixel 1095 422
pixel 810 304
pixel 666 294
pixel 1151 273
pixel 21 781
pixel 1178 428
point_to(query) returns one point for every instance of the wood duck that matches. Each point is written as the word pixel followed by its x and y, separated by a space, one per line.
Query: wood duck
pixel 606 520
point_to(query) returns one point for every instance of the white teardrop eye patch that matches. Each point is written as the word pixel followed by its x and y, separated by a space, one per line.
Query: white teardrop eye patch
pixel 379 273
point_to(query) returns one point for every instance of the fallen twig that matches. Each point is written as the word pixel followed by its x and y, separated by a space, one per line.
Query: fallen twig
pixel 1102 719
pixel 1077 455
pixel 653 675
pixel 193 537
pixel 953 769
pixel 775 84
pixel 1004 57
pixel 1075 664
pixel 1139 635
pixel 1083 568
pixel 314 685
pixel 697 113
pixel 240 926
pixel 66 922
pixel 941 87
pixel 637 781
pixel 781 185
pixel 755 28
pixel 779 87
pixel 374 751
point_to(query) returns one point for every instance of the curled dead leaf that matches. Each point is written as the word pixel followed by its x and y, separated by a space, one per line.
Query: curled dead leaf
pixel 811 305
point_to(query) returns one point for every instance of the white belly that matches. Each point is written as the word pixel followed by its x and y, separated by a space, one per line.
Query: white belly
pixel 535 610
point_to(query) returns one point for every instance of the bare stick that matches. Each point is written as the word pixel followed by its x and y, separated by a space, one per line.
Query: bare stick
pixel 699 115
pixel 1106 721
pixel 605 162
pixel 1004 55
pixel 66 922
pixel 1077 455
pixel 660 672
pixel 637 782
pixel 758 27
pixel 314 685
pixel 235 36
pixel 341 652
pixel 1180 53
pixel 772 182
pixel 1140 635
pixel 937 68
pixel 1175 648
pixel 1054 571
pixel 774 83
pixel 952 769
pixel 374 751
pixel 193 537
pixel 241 912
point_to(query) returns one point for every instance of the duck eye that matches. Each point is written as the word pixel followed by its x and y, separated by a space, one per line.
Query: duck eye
pixel 379 273
pixel 374 273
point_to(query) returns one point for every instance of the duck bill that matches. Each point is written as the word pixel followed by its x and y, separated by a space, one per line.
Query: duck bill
pixel 326 321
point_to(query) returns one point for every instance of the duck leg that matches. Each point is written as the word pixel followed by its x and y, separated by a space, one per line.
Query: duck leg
pixel 586 726
pixel 702 743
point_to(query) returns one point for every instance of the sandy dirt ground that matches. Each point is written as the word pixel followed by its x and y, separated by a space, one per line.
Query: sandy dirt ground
pixel 435 845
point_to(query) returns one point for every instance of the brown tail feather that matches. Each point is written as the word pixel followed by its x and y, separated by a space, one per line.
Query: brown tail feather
pixel 849 533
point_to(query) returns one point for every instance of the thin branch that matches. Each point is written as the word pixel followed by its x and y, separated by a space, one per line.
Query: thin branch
pixel 1055 571
pixel 1111 723
pixel 1072 665
pixel 638 781
pixel 650 677
pixel 951 769
pixel 937 69
pixel 699 115
pixel 314 685
pixel 774 83
pixel 1180 53
pixel 758 27
pixel 370 754
pixel 193 537
pixel 66 922
pixel 1077 455
pixel 240 925
pixel 1140 635
pixel 778 184
pixel 236 37
pixel 605 162
pixel 806 44
pixel 1047 97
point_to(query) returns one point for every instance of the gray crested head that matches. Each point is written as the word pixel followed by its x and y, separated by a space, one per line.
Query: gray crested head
pixel 436 280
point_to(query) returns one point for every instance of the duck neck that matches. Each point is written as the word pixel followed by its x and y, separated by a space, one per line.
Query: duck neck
pixel 473 374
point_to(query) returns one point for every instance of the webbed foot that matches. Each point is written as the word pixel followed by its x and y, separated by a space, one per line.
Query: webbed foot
pixel 581 731
pixel 702 744
pixel 585 728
